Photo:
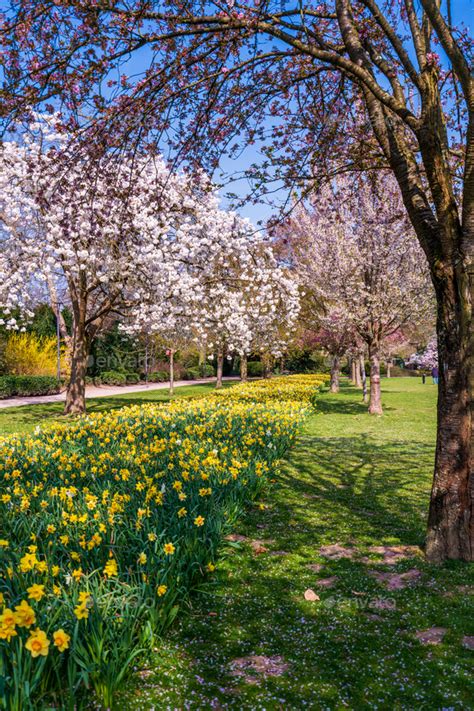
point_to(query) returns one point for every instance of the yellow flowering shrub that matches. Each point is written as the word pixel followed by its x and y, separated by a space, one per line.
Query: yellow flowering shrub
pixel 107 523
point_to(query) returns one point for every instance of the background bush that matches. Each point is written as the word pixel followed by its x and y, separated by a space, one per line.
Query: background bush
pixel 11 385
pixel 161 376
pixel 113 377
pixel 254 369
pixel 132 378
pixel 201 371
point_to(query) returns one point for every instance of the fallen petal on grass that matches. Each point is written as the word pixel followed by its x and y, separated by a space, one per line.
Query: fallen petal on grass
pixel 433 635
pixel 336 551
pixel 392 554
pixel 397 581
pixel 327 582
pixel 251 667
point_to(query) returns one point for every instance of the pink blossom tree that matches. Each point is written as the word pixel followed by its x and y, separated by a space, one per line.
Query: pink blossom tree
pixel 354 247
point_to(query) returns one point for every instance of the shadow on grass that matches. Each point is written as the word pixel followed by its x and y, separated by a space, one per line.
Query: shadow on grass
pixel 379 490
pixel 348 401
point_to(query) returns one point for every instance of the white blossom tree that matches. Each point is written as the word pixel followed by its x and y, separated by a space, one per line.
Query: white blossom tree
pixel 118 233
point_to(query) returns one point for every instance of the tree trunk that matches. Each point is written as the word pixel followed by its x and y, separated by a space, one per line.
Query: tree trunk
pixel 451 515
pixel 171 371
pixel 389 369
pixel 363 377
pixel 358 372
pixel 282 365
pixel 220 366
pixel 243 368
pixel 352 370
pixel 61 323
pixel 334 385
pixel 375 401
pixel 267 365
pixel 202 359
pixel 76 389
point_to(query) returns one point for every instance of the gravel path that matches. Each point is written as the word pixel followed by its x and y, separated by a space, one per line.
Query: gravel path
pixel 101 391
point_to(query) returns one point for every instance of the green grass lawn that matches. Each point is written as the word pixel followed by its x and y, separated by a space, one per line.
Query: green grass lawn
pixel 27 417
pixel 252 640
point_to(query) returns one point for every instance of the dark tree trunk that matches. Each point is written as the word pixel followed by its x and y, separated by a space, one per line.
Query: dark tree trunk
pixel 334 383
pixel 352 370
pixel 220 366
pixel 451 515
pixel 267 365
pixel 202 359
pixel 375 401
pixel 243 368
pixel 76 389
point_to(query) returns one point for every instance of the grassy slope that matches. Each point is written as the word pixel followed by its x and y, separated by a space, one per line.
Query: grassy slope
pixel 27 417
pixel 355 480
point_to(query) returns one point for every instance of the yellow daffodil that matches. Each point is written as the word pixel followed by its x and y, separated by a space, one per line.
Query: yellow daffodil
pixel 169 548
pixel 8 618
pixel 36 592
pixel 38 644
pixel 61 640
pixel 161 590
pixel 24 615
pixel 110 568
pixel 81 611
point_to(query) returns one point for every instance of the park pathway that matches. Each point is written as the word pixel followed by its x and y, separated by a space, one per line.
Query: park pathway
pixel 93 391
pixel 321 598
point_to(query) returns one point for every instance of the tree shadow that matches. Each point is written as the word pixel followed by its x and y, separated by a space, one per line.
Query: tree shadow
pixel 378 489
pixel 344 402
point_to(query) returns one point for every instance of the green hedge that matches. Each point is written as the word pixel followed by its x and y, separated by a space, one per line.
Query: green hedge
pixel 11 385
pixel 201 371
pixel 254 369
pixel 113 377
pixel 161 376
pixel 132 378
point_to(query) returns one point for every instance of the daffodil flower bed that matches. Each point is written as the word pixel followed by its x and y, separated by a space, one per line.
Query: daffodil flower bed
pixel 108 523
pixel 288 388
